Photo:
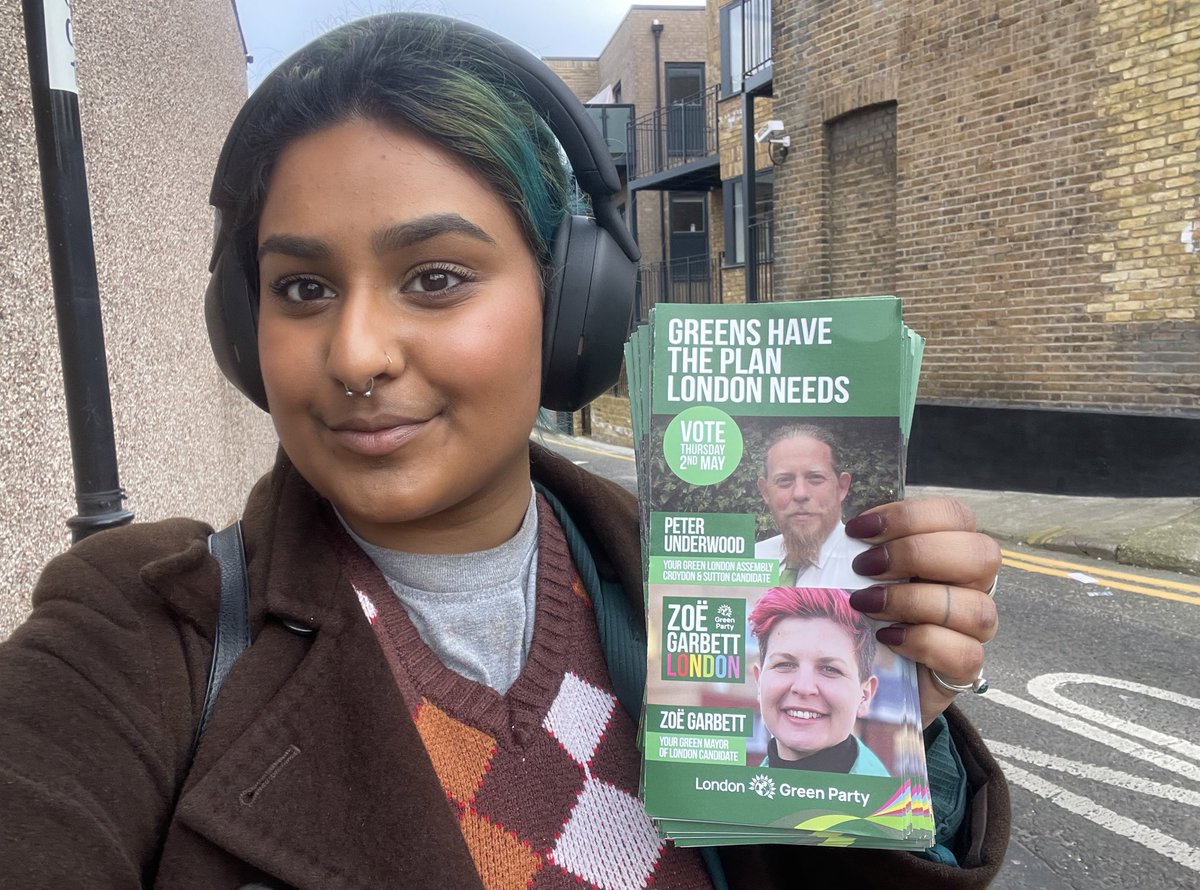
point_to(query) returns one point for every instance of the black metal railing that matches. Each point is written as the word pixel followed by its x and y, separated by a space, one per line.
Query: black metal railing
pixel 670 137
pixel 613 123
pixel 756 37
pixel 763 227
pixel 687 280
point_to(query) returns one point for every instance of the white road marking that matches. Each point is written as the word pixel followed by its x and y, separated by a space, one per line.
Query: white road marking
pixel 1087 730
pixel 1046 688
pixel 1113 777
pixel 1176 850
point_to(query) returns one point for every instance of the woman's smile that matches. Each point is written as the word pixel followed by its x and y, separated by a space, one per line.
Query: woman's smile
pixel 376 435
pixel 803 716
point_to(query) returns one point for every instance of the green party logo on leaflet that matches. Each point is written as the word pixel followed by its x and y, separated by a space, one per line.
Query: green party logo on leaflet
pixel 702 445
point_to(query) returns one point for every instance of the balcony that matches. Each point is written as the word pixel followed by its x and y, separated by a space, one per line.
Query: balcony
pixel 675 148
pixel 691 280
pixel 746 57
pixel 613 123
pixel 700 279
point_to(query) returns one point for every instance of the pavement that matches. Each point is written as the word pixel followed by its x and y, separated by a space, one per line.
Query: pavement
pixel 1152 533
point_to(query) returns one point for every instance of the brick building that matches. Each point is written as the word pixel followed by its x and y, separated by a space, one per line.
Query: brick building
pixel 656 59
pixel 1020 173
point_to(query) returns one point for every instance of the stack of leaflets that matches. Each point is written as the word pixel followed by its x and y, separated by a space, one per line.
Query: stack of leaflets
pixel 771 714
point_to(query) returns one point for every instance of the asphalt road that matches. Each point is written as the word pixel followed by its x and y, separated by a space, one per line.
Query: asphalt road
pixel 1094 711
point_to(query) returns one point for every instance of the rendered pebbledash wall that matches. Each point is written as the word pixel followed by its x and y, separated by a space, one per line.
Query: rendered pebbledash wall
pixel 159 84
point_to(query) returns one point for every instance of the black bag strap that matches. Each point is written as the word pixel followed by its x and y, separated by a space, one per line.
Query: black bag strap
pixel 232 634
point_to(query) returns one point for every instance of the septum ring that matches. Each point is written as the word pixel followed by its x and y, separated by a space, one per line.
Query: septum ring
pixel 979 685
pixel 366 393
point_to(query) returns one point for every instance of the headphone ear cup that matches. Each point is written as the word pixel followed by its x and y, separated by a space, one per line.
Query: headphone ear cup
pixel 232 320
pixel 589 304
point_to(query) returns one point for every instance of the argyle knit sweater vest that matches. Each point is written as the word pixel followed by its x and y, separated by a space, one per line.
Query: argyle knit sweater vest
pixel 542 780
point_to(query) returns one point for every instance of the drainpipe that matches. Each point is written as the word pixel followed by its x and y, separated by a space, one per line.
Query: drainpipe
pixel 51 52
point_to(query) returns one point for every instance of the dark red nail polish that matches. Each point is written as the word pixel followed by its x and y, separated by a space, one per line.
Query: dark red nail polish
pixel 892 636
pixel 872 562
pixel 865 525
pixel 869 599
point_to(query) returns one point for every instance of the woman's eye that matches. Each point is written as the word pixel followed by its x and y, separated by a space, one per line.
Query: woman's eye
pixel 302 290
pixel 435 280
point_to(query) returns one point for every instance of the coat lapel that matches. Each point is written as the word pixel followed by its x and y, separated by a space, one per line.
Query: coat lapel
pixel 329 785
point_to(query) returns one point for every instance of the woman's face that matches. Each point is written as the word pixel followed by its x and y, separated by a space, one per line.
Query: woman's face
pixel 809 690
pixel 382 256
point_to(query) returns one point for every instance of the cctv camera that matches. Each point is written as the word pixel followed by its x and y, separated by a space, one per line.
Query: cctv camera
pixel 769 129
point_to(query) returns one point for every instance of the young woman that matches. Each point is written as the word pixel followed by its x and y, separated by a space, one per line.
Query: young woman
pixel 444 615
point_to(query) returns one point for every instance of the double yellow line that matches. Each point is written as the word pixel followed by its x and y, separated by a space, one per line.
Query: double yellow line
pixel 1164 589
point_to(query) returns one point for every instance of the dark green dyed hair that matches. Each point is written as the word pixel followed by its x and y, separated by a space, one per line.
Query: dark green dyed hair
pixel 423 77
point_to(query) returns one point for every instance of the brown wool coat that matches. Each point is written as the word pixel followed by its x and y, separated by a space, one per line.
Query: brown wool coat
pixel 311 773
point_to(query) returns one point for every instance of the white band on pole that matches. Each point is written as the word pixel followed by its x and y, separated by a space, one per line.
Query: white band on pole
pixel 60 46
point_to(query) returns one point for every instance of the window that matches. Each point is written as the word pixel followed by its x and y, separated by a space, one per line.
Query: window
pixel 732 62
pixel 735 222
pixel 685 82
pixel 687 212
pixel 735 217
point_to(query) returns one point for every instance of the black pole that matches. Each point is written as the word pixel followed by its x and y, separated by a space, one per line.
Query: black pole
pixel 98 492
pixel 749 198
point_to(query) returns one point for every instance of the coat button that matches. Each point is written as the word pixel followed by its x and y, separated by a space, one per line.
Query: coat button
pixel 297 628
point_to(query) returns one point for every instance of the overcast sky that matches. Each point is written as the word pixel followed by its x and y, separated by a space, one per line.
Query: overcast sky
pixel 274 28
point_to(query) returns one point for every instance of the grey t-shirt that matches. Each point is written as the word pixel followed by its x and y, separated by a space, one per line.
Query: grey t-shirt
pixel 475 610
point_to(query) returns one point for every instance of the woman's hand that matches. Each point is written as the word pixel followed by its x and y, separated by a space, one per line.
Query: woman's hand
pixel 940 609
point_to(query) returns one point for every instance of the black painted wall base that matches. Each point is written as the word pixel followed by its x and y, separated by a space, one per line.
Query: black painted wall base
pixel 1055 452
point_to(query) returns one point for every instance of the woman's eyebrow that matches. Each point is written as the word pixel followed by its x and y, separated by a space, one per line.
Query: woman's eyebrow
pixel 405 234
pixel 294 245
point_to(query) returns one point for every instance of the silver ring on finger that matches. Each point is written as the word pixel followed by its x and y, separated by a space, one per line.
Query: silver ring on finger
pixel 978 686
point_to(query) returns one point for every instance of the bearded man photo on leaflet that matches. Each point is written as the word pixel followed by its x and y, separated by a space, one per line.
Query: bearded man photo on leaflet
pixel 448 646
pixel 803 485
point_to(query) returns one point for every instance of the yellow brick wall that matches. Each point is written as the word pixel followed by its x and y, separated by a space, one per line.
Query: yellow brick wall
pixel 609 419
pixel 581 75
pixel 1148 181
pixel 1046 162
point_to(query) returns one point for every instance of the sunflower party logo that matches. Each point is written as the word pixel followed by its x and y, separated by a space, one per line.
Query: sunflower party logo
pixel 763 786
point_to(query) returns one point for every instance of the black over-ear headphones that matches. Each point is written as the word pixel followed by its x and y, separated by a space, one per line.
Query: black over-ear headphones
pixel 589 299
